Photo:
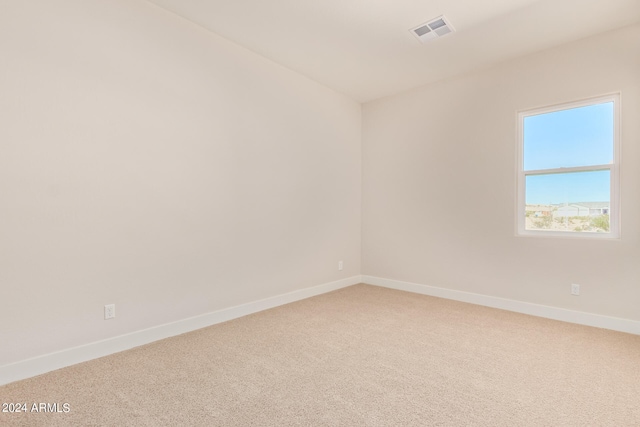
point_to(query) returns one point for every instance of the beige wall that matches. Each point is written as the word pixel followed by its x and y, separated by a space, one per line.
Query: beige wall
pixel 148 163
pixel 439 170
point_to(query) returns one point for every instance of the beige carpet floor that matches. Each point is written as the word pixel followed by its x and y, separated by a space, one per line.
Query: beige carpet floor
pixel 360 356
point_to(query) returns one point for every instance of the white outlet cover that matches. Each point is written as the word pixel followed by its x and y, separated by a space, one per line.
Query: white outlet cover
pixel 109 311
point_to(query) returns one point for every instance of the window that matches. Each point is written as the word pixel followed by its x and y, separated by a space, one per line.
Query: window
pixel 568 181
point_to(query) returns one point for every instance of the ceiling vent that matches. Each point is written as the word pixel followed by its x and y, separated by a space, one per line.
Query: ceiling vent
pixel 433 29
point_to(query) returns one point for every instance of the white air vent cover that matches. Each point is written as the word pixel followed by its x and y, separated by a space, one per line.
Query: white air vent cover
pixel 433 29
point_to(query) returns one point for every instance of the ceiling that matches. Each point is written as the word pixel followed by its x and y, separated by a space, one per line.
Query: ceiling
pixel 364 49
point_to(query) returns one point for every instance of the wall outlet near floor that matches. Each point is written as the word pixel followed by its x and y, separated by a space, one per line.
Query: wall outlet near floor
pixel 340 265
pixel 575 289
pixel 109 311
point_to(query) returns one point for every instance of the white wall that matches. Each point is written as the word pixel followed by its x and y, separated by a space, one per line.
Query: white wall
pixel 148 163
pixel 439 183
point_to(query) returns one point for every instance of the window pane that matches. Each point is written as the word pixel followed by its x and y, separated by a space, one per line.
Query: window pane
pixel 576 202
pixel 575 137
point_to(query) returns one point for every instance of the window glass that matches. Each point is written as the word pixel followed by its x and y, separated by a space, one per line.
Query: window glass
pixel 575 202
pixel 568 178
pixel 567 138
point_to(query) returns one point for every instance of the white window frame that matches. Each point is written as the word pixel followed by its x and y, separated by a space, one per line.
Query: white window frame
pixel 614 168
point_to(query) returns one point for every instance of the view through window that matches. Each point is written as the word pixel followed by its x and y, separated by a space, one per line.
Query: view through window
pixel 568 170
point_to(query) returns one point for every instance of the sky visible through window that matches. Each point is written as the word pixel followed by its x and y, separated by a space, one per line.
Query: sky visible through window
pixel 568 138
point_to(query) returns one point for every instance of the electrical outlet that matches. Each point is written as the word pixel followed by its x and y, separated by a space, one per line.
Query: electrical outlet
pixel 340 265
pixel 109 311
pixel 575 289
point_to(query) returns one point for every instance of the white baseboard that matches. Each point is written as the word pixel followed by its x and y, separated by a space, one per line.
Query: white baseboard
pixel 562 314
pixel 49 362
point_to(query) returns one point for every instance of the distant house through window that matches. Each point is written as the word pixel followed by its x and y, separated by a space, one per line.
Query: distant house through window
pixel 568 181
